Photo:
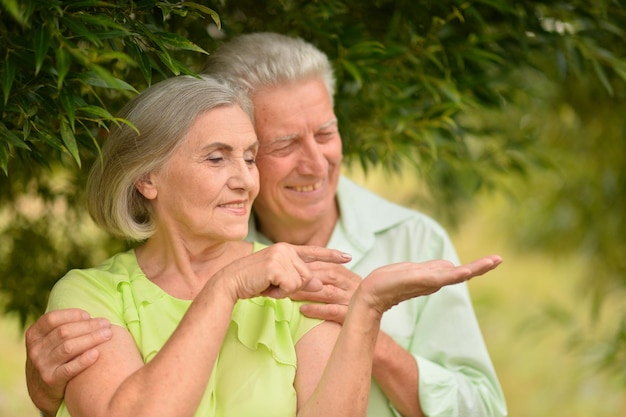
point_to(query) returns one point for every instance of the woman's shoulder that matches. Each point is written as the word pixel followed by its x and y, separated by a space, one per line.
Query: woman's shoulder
pixel 119 267
pixel 95 289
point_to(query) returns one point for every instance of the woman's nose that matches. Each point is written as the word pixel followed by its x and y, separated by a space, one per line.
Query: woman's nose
pixel 244 176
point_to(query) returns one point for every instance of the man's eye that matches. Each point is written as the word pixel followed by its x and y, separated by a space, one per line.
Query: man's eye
pixel 324 136
pixel 282 147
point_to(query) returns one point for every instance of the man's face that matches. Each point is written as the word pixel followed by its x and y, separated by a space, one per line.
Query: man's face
pixel 299 157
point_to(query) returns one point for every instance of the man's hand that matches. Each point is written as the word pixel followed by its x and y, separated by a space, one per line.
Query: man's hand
pixel 339 283
pixel 59 346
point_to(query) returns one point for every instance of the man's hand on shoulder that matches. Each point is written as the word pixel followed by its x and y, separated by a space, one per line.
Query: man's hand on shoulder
pixel 60 345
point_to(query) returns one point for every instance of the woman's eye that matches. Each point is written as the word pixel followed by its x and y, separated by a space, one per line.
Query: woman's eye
pixel 215 159
pixel 250 158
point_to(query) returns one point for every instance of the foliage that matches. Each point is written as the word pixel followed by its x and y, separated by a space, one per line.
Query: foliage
pixel 67 67
pixel 579 205
pixel 65 63
pixel 443 86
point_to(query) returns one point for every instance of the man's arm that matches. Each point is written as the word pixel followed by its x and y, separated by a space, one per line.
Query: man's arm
pixel 397 374
pixel 59 346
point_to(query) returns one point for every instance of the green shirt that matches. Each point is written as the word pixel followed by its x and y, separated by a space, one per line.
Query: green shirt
pixel 456 376
pixel 254 372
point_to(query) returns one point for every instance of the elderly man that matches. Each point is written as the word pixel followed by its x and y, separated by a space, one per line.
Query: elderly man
pixel 430 356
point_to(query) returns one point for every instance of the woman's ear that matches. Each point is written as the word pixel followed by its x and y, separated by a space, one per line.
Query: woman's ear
pixel 146 186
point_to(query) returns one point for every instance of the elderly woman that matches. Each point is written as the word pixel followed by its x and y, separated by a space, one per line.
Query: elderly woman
pixel 202 322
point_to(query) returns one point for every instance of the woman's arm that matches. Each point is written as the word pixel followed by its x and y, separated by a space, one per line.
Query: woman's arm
pixel 343 388
pixel 173 382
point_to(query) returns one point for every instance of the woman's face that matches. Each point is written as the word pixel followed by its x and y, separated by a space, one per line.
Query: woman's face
pixel 207 188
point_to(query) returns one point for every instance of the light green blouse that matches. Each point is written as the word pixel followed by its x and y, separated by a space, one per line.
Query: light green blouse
pixel 255 370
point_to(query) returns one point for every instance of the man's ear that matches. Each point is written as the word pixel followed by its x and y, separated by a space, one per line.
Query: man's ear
pixel 147 186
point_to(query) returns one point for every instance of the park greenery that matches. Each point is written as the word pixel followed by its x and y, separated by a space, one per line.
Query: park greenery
pixel 521 98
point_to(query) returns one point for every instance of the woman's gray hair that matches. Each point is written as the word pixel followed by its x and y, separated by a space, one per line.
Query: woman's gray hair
pixel 265 59
pixel 162 114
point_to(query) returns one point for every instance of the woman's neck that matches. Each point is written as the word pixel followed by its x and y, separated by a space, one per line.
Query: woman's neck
pixel 182 271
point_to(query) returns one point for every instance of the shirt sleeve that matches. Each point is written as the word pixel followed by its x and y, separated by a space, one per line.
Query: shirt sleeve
pixel 86 290
pixel 456 376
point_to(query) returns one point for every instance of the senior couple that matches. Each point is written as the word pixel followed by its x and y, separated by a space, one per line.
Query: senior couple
pixel 196 321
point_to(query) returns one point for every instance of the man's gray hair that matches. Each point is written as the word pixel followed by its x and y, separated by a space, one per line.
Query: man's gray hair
pixel 258 60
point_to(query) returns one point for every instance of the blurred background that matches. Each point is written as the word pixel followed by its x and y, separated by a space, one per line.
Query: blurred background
pixel 502 120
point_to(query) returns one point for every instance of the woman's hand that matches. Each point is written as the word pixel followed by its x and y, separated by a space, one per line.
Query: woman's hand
pixel 389 285
pixel 277 271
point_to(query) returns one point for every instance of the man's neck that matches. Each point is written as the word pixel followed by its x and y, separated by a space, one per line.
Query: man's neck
pixel 315 233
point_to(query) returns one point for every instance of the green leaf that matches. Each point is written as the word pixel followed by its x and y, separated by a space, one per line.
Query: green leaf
pixel 100 77
pixel 32 110
pixel 4 159
pixel 26 129
pixel 11 138
pixel 76 27
pixel 93 138
pixel 14 10
pixel 108 56
pixel 352 70
pixel 42 43
pixel 84 4
pixel 95 112
pixel 182 68
pixel 214 15
pixel 67 134
pixel 100 113
pixel 143 60
pixel 68 103
pixel 603 78
pixel 179 42
pixel 102 21
pixel 63 65
pixel 367 49
pixel 51 140
pixel 168 61
pixel 150 35
pixel 164 56
pixel 8 75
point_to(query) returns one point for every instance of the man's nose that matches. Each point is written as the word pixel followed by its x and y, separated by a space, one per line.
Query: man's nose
pixel 312 160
